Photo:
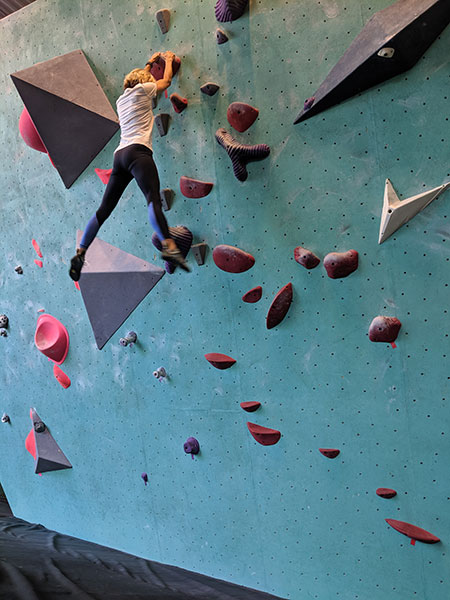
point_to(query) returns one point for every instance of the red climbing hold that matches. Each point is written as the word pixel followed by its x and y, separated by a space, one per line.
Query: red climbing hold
pixel 414 532
pixel 30 444
pixel 280 306
pixel 178 102
pixel 37 248
pixel 220 361
pixel 157 68
pixel 39 263
pixel 104 175
pixel 61 377
pixel 232 259
pixel 29 132
pixel 306 258
pixel 386 492
pixel 52 338
pixel 241 116
pixel 250 406
pixel 329 452
pixel 340 264
pixel 384 329
pixel 194 188
pixel 253 295
pixel 264 435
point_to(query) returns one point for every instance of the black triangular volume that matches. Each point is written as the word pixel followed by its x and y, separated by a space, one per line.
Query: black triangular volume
pixel 72 135
pixel 43 465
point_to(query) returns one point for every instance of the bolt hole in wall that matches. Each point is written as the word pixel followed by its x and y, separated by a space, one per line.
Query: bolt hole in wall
pixel 281 518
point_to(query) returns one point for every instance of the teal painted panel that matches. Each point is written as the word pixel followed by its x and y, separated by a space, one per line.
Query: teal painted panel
pixel 284 518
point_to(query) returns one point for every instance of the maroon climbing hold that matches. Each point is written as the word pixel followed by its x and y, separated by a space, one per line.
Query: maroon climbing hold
pixel 306 258
pixel 414 532
pixel 220 361
pixel 279 307
pixel 194 188
pixel 386 492
pixel 240 154
pixel 329 452
pixel 157 68
pixel 229 10
pixel 253 295
pixel 264 435
pixel 340 264
pixel 250 406
pixel 241 116
pixel 178 102
pixel 209 88
pixel 232 259
pixel 384 329
pixel 221 36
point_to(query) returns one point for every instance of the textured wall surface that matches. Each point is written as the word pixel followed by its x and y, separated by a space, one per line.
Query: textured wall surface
pixel 284 518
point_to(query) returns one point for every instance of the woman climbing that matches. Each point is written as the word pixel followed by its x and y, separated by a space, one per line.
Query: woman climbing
pixel 133 158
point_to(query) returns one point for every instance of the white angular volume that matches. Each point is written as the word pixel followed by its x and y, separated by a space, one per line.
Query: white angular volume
pixel 397 212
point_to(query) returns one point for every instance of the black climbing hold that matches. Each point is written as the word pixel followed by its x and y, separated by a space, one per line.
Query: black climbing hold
pixel 163 18
pixel 209 88
pixel 229 10
pixel 199 251
pixel 4 321
pixel 221 36
pixel 19 270
pixel 166 196
pixel 241 154
pixel 162 123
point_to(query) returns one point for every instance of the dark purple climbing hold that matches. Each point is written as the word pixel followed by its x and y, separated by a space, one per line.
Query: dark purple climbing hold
pixel 329 452
pixel 178 102
pixel 209 88
pixel 340 264
pixel 221 36
pixel 241 154
pixel 230 10
pixel 183 238
pixel 386 493
pixel 163 19
pixel 145 478
pixel 279 307
pixel 308 103
pixel 384 329
pixel 253 295
pixel 158 67
pixel 306 258
pixel 162 123
pixel 232 259
pixel 191 446
pixel 194 188
pixel 241 116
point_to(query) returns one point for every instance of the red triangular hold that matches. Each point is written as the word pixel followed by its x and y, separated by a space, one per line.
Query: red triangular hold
pixel 104 175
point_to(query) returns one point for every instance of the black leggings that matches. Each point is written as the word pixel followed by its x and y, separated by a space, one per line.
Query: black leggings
pixel 134 161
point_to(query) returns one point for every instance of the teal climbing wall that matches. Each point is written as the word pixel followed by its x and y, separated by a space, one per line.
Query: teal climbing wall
pixel 284 518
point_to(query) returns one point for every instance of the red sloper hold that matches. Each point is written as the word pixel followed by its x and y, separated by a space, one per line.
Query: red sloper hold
pixel 340 264
pixel 329 452
pixel 232 259
pixel 280 306
pixel 414 532
pixel 194 188
pixel 220 361
pixel 61 377
pixel 253 295
pixel 264 435
pixel 241 116
pixel 250 406
pixel 178 102
pixel 306 258
pixel 104 175
pixel 157 68
pixel 386 493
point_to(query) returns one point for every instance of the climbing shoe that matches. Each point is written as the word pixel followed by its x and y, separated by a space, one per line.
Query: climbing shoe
pixel 76 264
pixel 174 257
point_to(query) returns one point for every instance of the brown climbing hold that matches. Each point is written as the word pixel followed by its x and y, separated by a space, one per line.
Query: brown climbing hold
pixel 241 116
pixel 232 259
pixel 264 435
pixel 329 452
pixel 194 188
pixel 384 329
pixel 253 295
pixel 414 532
pixel 178 102
pixel 340 264
pixel 220 361
pixel 163 18
pixel 280 306
pixel 386 492
pixel 250 406
pixel 306 258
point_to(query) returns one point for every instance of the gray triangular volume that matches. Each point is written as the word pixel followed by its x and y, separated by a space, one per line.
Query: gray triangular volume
pixel 162 123
pixel 49 456
pixel 199 251
pixel 392 42
pixel 166 198
pixel 112 284
pixel 163 18
pixel 71 78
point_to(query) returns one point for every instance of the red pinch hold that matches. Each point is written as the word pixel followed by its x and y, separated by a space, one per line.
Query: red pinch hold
pixel 37 248
pixel 220 361
pixel 329 452
pixel 250 406
pixel 412 531
pixel 39 263
pixel 61 377
pixel 253 295
pixel 241 116
pixel 194 188
pixel 264 435
pixel 279 307
pixel 104 175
